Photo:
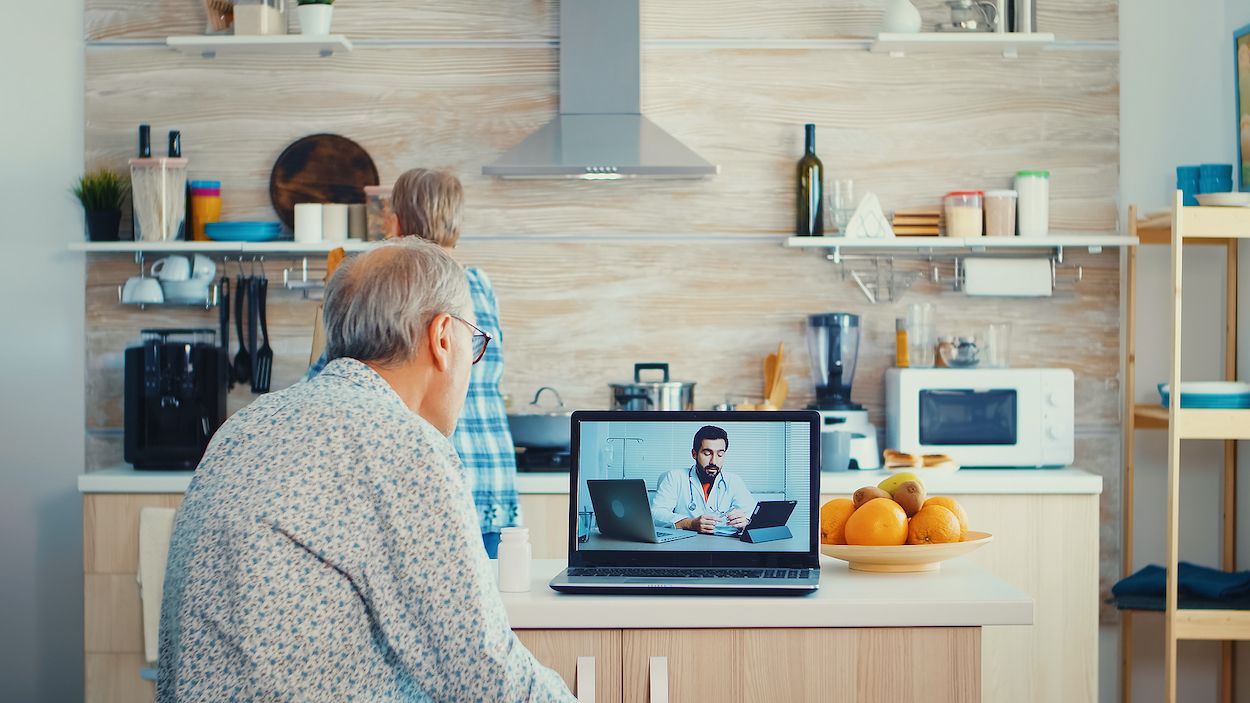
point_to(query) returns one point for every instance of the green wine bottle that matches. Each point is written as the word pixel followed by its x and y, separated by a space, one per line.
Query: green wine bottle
pixel 811 195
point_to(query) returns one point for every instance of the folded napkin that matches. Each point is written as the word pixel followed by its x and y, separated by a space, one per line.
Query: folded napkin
pixel 1199 587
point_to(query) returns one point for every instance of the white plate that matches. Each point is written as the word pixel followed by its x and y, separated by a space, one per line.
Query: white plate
pixel 1224 199
pixel 944 469
pixel 1211 388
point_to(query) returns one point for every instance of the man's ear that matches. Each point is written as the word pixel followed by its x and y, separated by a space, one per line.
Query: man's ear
pixel 438 340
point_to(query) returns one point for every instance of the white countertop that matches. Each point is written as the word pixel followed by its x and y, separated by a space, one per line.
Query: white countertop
pixel 124 479
pixel 960 594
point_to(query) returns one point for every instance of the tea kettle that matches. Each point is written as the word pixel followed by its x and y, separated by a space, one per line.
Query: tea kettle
pixel 970 16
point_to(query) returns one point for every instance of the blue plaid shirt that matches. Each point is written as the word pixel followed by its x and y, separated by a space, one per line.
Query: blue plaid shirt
pixel 482 438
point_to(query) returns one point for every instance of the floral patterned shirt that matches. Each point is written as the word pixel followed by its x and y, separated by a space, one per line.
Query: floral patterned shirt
pixel 328 550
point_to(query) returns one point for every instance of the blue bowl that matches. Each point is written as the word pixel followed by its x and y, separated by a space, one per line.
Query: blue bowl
pixel 243 231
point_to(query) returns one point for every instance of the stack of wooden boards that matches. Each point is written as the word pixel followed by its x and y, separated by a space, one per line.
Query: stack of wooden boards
pixel 917 222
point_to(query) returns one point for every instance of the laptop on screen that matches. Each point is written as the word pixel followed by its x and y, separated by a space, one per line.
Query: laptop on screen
pixel 693 502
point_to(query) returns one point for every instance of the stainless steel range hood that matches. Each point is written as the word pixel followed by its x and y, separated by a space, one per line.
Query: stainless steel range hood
pixel 600 133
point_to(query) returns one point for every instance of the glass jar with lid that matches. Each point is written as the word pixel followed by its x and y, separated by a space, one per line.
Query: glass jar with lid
pixel 260 17
pixel 963 213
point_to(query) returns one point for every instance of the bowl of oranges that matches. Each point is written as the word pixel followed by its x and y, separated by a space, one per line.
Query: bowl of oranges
pixel 896 527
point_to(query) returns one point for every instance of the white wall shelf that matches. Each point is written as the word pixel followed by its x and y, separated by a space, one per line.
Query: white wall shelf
pixel 1093 242
pixel 181 247
pixel 1007 44
pixel 209 46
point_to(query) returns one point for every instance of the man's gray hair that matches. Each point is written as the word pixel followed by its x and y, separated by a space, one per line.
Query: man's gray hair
pixel 378 304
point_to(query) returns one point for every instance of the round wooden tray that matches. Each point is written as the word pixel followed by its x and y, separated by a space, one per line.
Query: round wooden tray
pixel 906 557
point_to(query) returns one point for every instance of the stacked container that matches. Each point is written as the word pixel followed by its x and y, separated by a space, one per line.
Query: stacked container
pixel 159 190
pixel 205 206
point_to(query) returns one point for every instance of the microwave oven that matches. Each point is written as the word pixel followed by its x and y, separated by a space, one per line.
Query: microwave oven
pixel 983 417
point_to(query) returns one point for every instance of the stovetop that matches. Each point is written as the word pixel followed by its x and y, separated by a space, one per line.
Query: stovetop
pixel 529 459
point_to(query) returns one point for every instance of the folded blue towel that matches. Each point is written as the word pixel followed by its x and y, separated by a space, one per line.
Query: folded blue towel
pixel 1198 582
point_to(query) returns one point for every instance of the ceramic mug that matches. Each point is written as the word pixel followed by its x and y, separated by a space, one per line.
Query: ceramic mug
pixel 172 268
pixel 203 268
pixel 141 289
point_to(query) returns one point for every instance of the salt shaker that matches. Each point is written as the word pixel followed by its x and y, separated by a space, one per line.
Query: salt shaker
pixel 515 554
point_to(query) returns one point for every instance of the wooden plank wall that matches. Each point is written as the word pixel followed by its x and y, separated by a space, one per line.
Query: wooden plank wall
pixel 689 272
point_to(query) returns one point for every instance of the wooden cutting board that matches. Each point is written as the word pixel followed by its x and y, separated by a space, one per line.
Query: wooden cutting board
pixel 321 168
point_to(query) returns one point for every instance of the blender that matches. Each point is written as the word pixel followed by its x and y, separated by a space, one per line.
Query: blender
pixel 847 438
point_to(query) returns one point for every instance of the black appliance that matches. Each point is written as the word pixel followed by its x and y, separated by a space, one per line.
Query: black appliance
pixel 833 345
pixel 175 397
pixel 543 460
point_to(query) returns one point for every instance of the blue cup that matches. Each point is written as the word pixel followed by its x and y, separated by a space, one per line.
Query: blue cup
pixel 1187 181
pixel 1215 178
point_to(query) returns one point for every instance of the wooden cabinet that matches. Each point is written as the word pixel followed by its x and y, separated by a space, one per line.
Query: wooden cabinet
pixel 561 650
pixel 1047 546
pixel 926 665
pixel 112 619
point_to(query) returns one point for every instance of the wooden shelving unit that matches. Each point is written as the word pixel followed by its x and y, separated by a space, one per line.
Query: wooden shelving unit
pixel 1009 45
pixel 1209 226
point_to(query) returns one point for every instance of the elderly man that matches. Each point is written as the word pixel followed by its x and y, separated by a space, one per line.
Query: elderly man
pixel 328 548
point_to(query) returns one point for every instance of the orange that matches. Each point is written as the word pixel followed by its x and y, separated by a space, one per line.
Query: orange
pixel 833 517
pixel 934 524
pixel 952 505
pixel 879 522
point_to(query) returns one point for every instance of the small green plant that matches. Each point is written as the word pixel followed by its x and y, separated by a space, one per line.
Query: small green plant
pixel 315 2
pixel 101 190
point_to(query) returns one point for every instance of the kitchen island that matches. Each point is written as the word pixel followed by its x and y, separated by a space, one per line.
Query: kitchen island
pixel 861 637
pixel 1044 522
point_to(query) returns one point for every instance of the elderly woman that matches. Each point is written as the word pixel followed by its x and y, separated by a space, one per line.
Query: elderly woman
pixel 326 549
pixel 427 204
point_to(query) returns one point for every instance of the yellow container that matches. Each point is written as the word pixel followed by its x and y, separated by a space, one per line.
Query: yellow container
pixel 205 207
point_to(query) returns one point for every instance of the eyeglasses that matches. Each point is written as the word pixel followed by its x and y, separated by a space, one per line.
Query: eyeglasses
pixel 480 339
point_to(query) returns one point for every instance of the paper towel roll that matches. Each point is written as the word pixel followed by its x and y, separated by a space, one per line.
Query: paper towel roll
pixel 333 222
pixel 308 222
pixel 1007 277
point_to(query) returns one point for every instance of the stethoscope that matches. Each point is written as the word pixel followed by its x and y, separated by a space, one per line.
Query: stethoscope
pixel 694 505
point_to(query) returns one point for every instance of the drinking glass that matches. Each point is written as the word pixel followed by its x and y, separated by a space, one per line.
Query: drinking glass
pixel 998 339
pixel 920 335
pixel 842 202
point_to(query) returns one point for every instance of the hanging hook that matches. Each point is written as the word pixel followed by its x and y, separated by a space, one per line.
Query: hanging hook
pixel 239 261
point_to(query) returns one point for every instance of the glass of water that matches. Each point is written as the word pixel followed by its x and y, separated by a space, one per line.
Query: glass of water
pixel 998 339
pixel 920 335
pixel 842 201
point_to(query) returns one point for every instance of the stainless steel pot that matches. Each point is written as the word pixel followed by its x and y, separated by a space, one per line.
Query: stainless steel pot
pixel 652 395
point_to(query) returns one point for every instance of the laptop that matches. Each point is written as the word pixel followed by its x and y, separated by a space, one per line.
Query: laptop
pixel 636 475
pixel 622 511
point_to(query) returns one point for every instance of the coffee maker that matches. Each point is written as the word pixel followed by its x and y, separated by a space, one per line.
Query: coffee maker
pixel 175 397
pixel 833 345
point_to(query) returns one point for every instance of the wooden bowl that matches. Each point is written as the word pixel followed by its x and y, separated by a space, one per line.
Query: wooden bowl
pixel 906 557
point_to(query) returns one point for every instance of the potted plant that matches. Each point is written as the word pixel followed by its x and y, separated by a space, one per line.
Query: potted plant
pixel 314 16
pixel 102 193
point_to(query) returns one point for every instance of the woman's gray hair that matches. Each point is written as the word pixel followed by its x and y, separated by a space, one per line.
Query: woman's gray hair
pixel 378 304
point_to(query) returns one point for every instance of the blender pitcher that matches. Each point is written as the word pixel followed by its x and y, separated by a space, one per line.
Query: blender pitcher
pixel 833 345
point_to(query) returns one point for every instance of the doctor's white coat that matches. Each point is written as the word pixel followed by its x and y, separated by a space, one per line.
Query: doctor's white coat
pixel 680 488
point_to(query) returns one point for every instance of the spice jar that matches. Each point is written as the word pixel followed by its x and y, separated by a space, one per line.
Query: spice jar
pixel 900 342
pixel 945 349
pixel 963 213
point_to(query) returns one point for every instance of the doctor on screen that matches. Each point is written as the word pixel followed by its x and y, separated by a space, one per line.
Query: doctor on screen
pixel 704 495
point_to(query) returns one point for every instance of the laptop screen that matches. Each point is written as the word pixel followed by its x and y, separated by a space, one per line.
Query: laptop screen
pixel 727 483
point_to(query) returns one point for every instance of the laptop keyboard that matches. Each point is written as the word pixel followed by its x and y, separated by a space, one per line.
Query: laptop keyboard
pixel 700 573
